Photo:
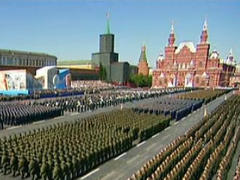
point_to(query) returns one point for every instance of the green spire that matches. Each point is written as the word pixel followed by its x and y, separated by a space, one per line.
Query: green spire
pixel 143 56
pixel 108 23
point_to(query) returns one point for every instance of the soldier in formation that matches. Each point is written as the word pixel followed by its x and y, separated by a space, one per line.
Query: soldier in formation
pixel 68 150
pixel 12 114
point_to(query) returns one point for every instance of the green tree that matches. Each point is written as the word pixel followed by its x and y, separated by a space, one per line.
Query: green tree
pixel 149 81
pixel 140 80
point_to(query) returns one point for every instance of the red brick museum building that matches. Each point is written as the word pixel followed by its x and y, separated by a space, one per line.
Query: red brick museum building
pixel 187 66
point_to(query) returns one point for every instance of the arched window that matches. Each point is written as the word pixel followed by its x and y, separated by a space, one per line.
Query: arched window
pixel 197 80
pixel 4 60
pixel 165 80
pixel 202 82
pixel 160 82
pixel 183 65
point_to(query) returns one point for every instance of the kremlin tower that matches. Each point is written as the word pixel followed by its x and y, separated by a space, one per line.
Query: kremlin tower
pixel 143 65
pixel 170 49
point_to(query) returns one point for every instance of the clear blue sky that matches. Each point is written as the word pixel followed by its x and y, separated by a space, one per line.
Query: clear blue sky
pixel 70 29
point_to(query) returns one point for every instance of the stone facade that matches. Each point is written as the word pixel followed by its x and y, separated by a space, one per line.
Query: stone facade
pixel 120 72
pixel 12 59
pixel 235 79
pixel 143 64
pixel 187 66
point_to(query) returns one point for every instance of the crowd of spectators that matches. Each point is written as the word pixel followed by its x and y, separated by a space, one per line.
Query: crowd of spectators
pixel 92 84
pixel 84 96
pixel 90 102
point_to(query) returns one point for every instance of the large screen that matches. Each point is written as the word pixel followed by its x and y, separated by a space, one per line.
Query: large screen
pixel 13 80
pixel 64 80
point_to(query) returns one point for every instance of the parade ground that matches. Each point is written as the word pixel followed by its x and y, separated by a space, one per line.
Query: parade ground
pixel 124 165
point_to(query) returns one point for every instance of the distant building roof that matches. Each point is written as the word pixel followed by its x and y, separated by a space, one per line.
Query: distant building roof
pixel 46 68
pixel 135 66
pixel 230 59
pixel 74 62
pixel 214 55
pixel 63 70
pixel 160 57
pixel 189 45
pixel 120 62
pixel 13 52
pixel 237 68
